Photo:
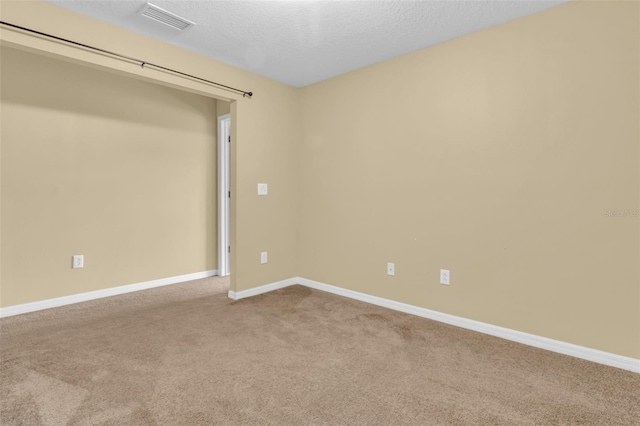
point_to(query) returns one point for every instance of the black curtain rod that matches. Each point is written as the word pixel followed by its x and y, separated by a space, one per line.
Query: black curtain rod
pixel 129 58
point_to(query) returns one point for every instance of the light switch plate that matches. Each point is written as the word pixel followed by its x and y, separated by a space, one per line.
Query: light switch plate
pixel 263 257
pixel 263 189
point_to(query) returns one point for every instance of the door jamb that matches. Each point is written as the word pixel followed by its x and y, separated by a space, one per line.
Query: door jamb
pixel 224 241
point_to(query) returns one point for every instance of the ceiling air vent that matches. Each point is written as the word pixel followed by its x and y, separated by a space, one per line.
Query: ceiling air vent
pixel 160 15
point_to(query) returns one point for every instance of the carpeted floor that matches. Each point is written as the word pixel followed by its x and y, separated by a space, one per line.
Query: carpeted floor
pixel 187 355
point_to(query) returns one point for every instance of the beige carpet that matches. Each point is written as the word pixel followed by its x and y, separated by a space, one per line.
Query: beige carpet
pixel 187 355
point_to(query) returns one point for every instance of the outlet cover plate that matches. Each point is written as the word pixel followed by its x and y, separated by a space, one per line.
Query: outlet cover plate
pixel 445 276
pixel 78 261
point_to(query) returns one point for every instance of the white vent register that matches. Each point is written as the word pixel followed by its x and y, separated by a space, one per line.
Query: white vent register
pixel 160 15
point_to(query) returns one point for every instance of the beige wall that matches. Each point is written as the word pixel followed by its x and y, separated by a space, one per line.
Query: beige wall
pixel 266 134
pixel 119 170
pixel 495 156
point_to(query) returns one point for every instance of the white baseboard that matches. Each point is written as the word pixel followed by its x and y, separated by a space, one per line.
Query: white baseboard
pixel 601 357
pixel 98 294
pixel 263 289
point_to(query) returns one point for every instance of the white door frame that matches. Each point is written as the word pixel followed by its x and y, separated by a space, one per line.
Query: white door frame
pixel 224 243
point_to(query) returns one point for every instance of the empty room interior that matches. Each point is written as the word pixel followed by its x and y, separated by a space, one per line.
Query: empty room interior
pixel 319 212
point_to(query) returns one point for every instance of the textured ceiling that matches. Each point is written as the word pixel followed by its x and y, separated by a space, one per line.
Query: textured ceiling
pixel 300 42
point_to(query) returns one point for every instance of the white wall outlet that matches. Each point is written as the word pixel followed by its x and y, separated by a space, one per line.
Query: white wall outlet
pixel 263 189
pixel 78 261
pixel 263 257
pixel 391 269
pixel 444 276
